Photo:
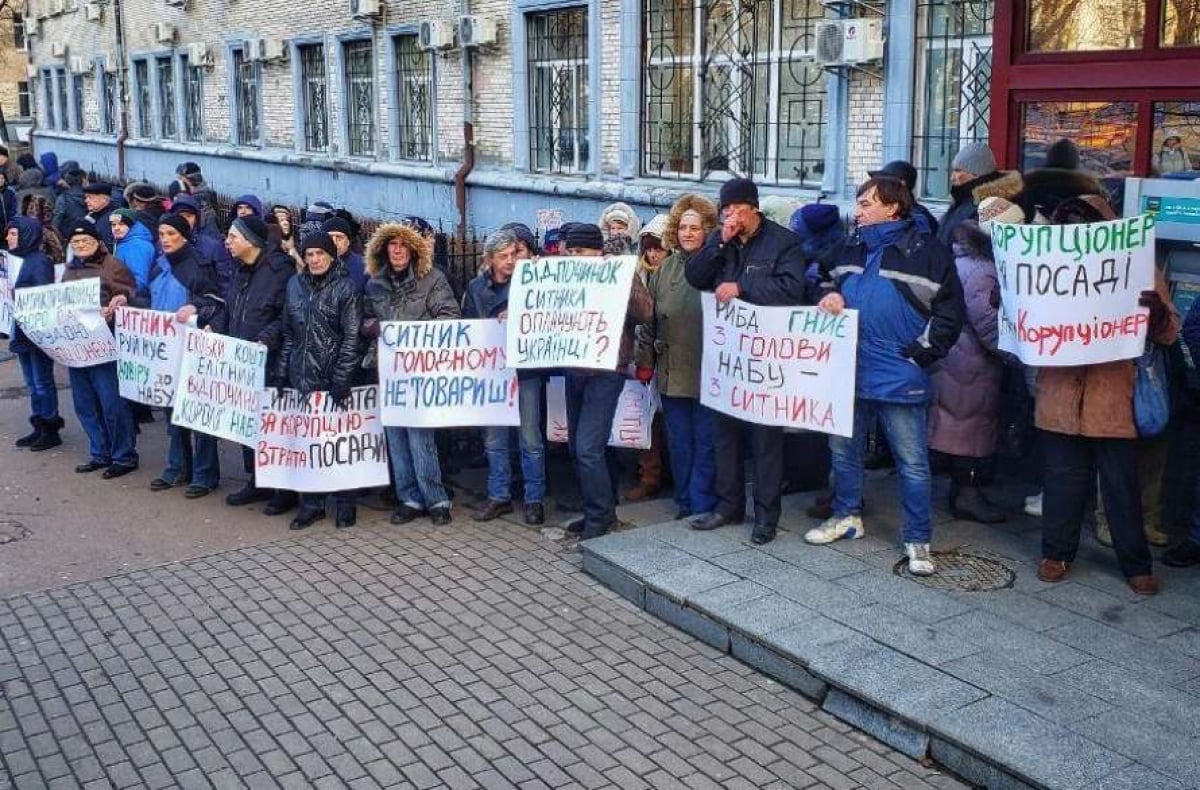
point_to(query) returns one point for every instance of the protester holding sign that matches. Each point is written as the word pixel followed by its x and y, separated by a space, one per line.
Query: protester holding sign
pixel 487 297
pixel 103 413
pixel 1086 413
pixel 321 321
pixel 758 261
pixel 671 345
pixel 906 289
pixel 23 237
pixel 254 312
pixel 404 286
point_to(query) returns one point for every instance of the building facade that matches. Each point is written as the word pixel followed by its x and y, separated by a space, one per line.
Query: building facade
pixel 16 93
pixel 385 107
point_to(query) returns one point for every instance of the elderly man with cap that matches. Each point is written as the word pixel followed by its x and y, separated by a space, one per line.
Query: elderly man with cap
pixel 103 413
pixel 146 203
pixel 254 305
pixel 97 197
pixel 974 178
pixel 321 320
pixel 751 258
pixel 342 233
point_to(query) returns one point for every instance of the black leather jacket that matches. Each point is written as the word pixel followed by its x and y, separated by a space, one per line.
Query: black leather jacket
pixel 320 332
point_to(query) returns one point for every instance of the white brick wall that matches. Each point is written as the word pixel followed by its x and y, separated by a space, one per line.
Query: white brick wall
pixel 865 130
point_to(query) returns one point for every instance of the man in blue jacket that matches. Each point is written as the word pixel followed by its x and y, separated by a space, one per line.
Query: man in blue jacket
pixel 904 284
pixel 761 262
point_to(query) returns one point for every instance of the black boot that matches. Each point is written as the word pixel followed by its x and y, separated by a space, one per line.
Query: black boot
pixel 49 437
pixel 31 437
pixel 967 502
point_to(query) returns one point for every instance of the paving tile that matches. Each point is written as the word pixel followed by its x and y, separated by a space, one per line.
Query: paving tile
pixel 817 560
pixel 922 603
pixel 688 579
pixel 1013 643
pixel 1119 648
pixel 1169 752
pixel 929 643
pixel 1048 697
pixel 1132 618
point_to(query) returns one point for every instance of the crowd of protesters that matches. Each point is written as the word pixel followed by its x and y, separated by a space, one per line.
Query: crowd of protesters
pixel 930 380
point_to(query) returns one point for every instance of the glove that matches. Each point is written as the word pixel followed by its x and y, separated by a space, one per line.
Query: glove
pixel 924 357
pixel 644 374
pixel 370 329
pixel 1160 316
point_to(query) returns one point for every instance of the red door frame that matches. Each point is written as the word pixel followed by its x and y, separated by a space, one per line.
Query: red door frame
pixel 1145 76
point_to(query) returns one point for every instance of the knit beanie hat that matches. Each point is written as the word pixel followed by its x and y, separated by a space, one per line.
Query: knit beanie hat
pixel 739 190
pixel 523 234
pixel 140 191
pixel 899 170
pixel 188 169
pixel 125 215
pixel 1063 155
pixel 584 236
pixel 338 225
pixel 185 202
pixel 997 209
pixel 319 241
pixel 975 158
pixel 819 216
pixel 84 228
pixel 181 225
pixel 253 229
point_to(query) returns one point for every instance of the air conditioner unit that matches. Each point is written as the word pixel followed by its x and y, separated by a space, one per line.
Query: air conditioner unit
pixel 273 49
pixel 198 54
pixel 78 65
pixel 435 34
pixel 58 49
pixel 92 12
pixel 111 64
pixel 862 40
pixel 164 32
pixel 31 71
pixel 474 31
pixel 36 9
pixel 829 35
pixel 54 7
pixel 359 8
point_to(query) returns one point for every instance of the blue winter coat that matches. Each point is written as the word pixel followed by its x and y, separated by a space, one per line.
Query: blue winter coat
pixel 36 270
pixel 49 163
pixel 137 252
pixel 356 270
pixel 182 277
pixel 8 206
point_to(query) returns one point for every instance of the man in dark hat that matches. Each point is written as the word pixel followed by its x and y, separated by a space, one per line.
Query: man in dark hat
pixel 906 174
pixel 98 199
pixel 342 234
pixel 145 202
pixel 758 261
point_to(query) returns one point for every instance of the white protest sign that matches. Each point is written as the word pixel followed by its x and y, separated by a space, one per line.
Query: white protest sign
pixel 632 423
pixel 446 374
pixel 149 349
pixel 1069 293
pixel 10 270
pixel 64 321
pixel 220 385
pixel 792 367
pixel 310 444
pixel 568 312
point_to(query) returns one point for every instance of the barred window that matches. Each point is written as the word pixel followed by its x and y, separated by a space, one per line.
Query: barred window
pixel 360 98
pixel 24 100
pixel 954 79
pixel 109 90
pixel 246 95
pixel 141 87
pixel 414 99
pixel 60 87
pixel 77 103
pixel 48 92
pixel 193 100
pixel 20 41
pixel 315 97
pixel 730 87
pixel 166 97
pixel 558 90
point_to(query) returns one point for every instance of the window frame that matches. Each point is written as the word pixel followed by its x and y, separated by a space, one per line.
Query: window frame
pixel 237 51
pixel 590 105
pixel 77 100
pixel 1151 47
pixel 397 124
pixel 20 32
pixel 161 112
pixel 185 69
pixel 143 116
pixel 343 44
pixel 25 98
pixel 301 85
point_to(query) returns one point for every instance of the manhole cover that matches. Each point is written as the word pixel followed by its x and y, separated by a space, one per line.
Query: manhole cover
pixel 11 531
pixel 959 570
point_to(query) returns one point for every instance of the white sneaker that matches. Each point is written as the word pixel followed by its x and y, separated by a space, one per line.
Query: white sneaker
pixel 920 562
pixel 1033 504
pixel 836 528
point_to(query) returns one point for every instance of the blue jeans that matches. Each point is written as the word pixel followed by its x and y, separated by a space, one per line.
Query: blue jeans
pixel 905 425
pixel 415 470
pixel 693 460
pixel 191 457
pixel 38 370
pixel 592 400
pixel 104 414
pixel 533 448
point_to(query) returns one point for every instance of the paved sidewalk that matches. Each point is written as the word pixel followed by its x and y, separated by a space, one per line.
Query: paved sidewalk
pixel 467 656
pixel 1077 685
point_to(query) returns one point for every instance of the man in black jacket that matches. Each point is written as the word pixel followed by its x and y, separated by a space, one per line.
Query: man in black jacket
pixel 758 261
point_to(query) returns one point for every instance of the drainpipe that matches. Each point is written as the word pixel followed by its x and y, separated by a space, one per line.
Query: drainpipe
pixel 122 75
pixel 468 156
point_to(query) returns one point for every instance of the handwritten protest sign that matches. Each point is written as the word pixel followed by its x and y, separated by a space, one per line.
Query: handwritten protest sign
pixel 788 366
pixel 10 270
pixel 310 444
pixel 220 384
pixel 446 374
pixel 64 321
pixel 1069 293
pixel 149 349
pixel 631 425
pixel 568 312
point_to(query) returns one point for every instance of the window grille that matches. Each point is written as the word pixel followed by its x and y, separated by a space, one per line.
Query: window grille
pixel 24 100
pixel 246 95
pixel 193 100
pixel 360 98
pixel 166 97
pixel 558 90
pixel 60 85
pixel 414 100
pixel 109 90
pixel 77 103
pixel 141 79
pixel 315 97
pixel 48 92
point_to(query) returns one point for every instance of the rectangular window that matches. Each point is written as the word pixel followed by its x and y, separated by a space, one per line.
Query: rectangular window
pixel 360 98
pixel 953 85
pixel 48 92
pixel 245 73
pixel 1180 23
pixel 1085 25
pixel 558 90
pixel 1176 137
pixel 60 85
pixel 18 28
pixel 733 89
pixel 1105 133
pixel 24 100
pixel 108 88
pixel 414 99
pixel 77 103
pixel 141 88
pixel 314 87
pixel 165 68
pixel 193 100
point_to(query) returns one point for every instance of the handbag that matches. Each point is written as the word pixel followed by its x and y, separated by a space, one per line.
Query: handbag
pixel 1151 398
